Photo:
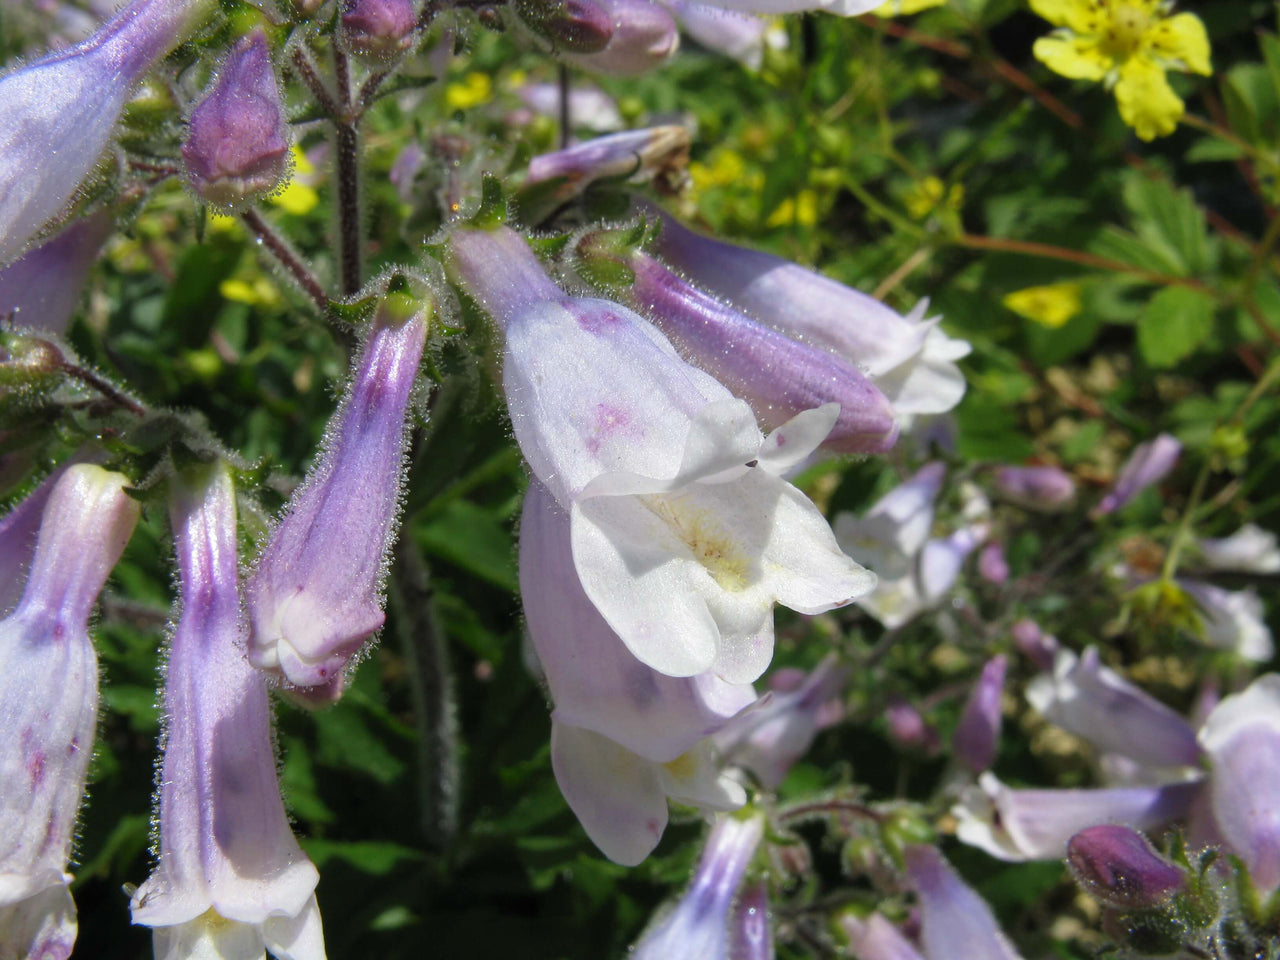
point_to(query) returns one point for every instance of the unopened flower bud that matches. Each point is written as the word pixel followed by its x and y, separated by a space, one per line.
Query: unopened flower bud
pixel 315 595
pixel 1147 465
pixel 571 26
pixel 58 113
pixel 1046 489
pixel 237 144
pixel 378 31
pixel 778 376
pixel 27 361
pixel 1117 866
pixel 644 36
pixel 992 564
pixel 978 733
pixel 907 728
pixel 1033 643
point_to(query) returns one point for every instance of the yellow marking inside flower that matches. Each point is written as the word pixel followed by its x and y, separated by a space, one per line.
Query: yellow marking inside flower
pixel 682 767
pixel 706 539
pixel 1051 305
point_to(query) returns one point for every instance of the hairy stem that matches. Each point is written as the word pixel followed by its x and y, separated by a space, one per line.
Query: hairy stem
pixel 287 257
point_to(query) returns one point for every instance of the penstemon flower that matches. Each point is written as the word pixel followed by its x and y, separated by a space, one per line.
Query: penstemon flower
pixel 230 880
pixel 956 923
pixel 684 535
pixel 41 290
pixel 49 706
pixel 1128 45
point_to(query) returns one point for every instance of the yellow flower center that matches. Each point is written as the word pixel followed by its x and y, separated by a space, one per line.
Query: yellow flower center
pixel 706 539
pixel 1127 25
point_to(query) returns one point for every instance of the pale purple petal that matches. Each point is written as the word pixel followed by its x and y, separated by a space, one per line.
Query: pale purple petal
pixel 1148 464
pixel 875 938
pixel 956 923
pixel 977 735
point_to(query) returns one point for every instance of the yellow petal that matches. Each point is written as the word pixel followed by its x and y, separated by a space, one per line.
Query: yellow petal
pixel 1183 42
pixel 1050 306
pixel 296 198
pixel 1080 58
pixel 1147 102
pixel 1082 16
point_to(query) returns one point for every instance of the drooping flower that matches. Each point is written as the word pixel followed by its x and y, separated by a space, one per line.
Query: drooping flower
pixel 1232 619
pixel 1090 700
pixel 1242 738
pixel 237 143
pixel 684 535
pixel 1128 45
pixel 1118 866
pixel 955 923
pixel 315 594
pixel 977 735
pixel 230 880
pixel 771 738
pixel 698 927
pixel 58 113
pixel 1148 464
pixel 49 706
pixel 909 358
pixel 1249 550
pixel 42 289
pixel 1019 825
pixel 638 155
pixel 780 377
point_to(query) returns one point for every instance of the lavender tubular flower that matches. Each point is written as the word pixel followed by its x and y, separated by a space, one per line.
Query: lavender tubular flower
pixel 780 377
pixel 977 735
pixel 576 26
pixel 1019 825
pixel 1147 465
pixel 644 37
pixel 683 533
pixel 637 154
pixel 992 563
pixel 41 290
pixel 697 928
pixel 1249 550
pixel 908 358
pixel 1118 866
pixel 230 879
pixel 750 937
pixel 237 143
pixel 771 738
pixel 1086 698
pixel 58 113
pixel 315 594
pixel 1045 489
pixel 875 938
pixel 1232 620
pixel 956 923
pixel 49 706
pixel 741 36
pixel 1242 738
pixel 891 534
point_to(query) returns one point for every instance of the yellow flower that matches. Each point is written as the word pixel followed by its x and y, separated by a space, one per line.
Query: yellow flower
pixel 893 8
pixel 298 197
pixel 476 88
pixel 802 210
pixel 1127 44
pixel 1050 306
pixel 925 195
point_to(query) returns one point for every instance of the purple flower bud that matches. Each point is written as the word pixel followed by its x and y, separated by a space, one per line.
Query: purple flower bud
pixel 572 26
pixel 49 706
pixel 875 938
pixel 636 154
pixel 992 564
pixel 42 289
pixel 1019 825
pixel 738 35
pixel 1046 489
pixel 697 928
pixel 956 923
pixel 1093 702
pixel 778 376
pixel 841 8
pixel 684 534
pixel 749 935
pixel 1033 643
pixel 58 113
pixel 907 728
pixel 1242 738
pixel 378 31
pixel 237 143
pixel 1147 465
pixel 1118 867
pixel 909 358
pixel 644 36
pixel 771 738
pixel 315 595
pixel 978 732
pixel 230 873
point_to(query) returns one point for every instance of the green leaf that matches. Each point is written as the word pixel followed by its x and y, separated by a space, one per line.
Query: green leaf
pixel 1174 324
pixel 368 855
pixel 474 539
pixel 1168 219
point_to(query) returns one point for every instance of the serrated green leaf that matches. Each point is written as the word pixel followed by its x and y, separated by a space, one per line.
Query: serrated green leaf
pixel 1176 321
